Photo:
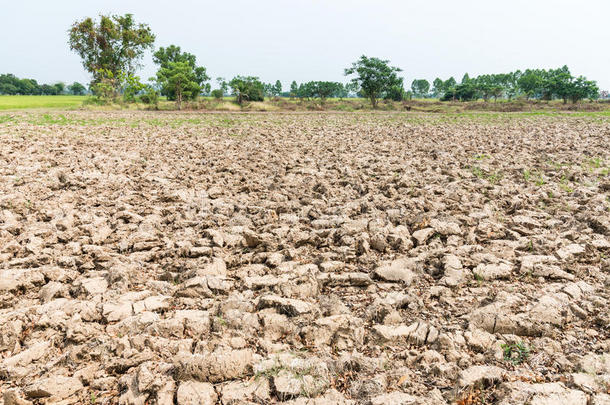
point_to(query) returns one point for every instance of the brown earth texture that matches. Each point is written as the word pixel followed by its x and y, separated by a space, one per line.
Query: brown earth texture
pixel 305 259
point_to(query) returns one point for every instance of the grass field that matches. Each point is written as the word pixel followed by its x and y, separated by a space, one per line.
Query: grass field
pixel 8 103
pixel 24 102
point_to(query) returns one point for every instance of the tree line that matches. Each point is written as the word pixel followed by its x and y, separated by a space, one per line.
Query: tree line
pixel 112 49
pixel 12 85
pixel 532 83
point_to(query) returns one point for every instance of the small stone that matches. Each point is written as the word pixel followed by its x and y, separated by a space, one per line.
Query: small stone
pixel 214 367
pixel 11 397
pixel 478 374
pixel 445 228
pixel 422 235
pixel 286 306
pixel 567 252
pixel 196 393
pixel 59 387
pixel 493 271
pixel 397 270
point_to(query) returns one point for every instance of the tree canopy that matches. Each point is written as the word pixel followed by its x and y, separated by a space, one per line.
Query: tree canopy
pixel 248 88
pixel 374 76
pixel 532 83
pixel 114 44
pixel 180 79
pixel 165 56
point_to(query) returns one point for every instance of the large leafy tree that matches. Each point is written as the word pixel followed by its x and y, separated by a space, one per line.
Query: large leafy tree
pixel 114 44
pixel 164 56
pixel 181 79
pixel 374 76
pixel 581 88
pixel 558 83
pixel 530 82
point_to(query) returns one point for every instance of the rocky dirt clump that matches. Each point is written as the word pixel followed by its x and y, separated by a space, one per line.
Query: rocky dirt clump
pixel 304 259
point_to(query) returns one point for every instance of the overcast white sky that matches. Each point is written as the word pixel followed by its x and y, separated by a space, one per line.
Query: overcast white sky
pixel 316 39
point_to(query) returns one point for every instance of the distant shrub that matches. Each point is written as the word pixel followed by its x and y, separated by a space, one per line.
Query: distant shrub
pixel 149 96
pixel 395 93
pixel 248 88
pixel 217 94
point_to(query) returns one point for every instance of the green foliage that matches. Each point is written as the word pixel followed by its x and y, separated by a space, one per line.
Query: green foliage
pixel 131 87
pixel 77 89
pixel 321 90
pixel 516 353
pixel 294 88
pixel 532 83
pixel 180 79
pixel 277 89
pixel 12 85
pixel 374 76
pixel 396 93
pixel 438 87
pixel 165 56
pixel 149 95
pixel 115 44
pixel 222 85
pixel 248 88
pixel 60 88
pixel 106 87
pixel 420 88
pixel 217 94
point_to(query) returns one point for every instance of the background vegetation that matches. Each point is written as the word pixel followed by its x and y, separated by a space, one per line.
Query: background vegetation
pixel 112 47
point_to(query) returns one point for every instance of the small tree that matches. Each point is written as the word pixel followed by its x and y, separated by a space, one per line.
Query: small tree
pixel 149 95
pixel 420 87
pixel 294 89
pixel 247 88
pixel 277 89
pixel 323 90
pixel 530 83
pixel 60 88
pixel 374 76
pixel 222 85
pixel 131 88
pixel 582 88
pixel 48 90
pixel 268 89
pixel 352 89
pixel 181 79
pixel 396 93
pixel 164 56
pixel 115 44
pixel 438 87
pixel 77 89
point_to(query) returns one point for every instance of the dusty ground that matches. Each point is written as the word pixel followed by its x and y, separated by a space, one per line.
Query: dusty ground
pixel 304 259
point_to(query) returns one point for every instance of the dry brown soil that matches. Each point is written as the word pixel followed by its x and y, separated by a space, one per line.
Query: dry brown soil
pixel 304 258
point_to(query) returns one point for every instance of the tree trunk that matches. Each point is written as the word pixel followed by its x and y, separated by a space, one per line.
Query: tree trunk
pixel 179 99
